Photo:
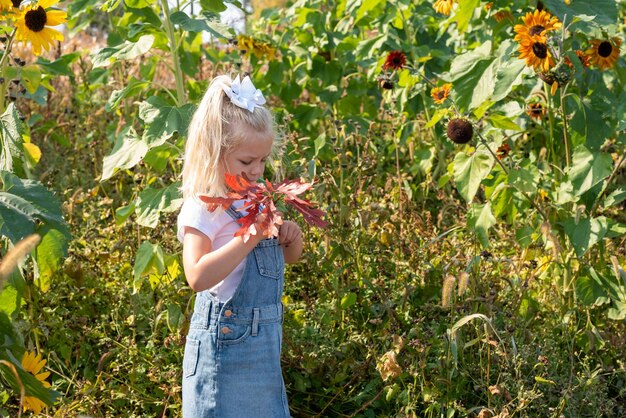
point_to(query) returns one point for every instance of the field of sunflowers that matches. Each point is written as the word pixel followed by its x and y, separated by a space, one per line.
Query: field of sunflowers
pixel 468 155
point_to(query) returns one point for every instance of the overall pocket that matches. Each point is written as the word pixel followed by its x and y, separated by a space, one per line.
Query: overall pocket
pixel 270 260
pixel 231 334
pixel 190 357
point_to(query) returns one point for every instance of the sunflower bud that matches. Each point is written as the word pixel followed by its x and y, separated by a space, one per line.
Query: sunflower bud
pixel 460 131
pixel 385 83
pixel 562 73
pixel 547 78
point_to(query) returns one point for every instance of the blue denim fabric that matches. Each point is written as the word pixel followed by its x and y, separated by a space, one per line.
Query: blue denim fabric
pixel 231 365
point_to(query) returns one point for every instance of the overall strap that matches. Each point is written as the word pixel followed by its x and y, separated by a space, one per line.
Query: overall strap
pixel 234 213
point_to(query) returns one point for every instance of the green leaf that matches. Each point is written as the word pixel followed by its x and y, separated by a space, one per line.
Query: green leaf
pixel 9 299
pixel 31 77
pixel 439 113
pixel 49 254
pixel 524 236
pixel 470 170
pixel 163 120
pixel 348 300
pixel 122 213
pixel 149 259
pixel 212 26
pixel 481 219
pixel 152 202
pixel 11 131
pixel 319 143
pixel 586 233
pixel 466 71
pixel 464 13
pixel 366 7
pixel 503 122
pixel 126 51
pixel 589 290
pixel 133 88
pixel 213 5
pixel 588 125
pixel 175 317
pixel 23 203
pixel 129 149
pixel 588 169
pixel 604 12
pixel 523 180
pixel 618 311
pixel 540 379
pixel 615 198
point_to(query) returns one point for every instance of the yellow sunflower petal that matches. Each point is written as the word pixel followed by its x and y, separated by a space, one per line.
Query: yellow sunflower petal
pixel 47 3
pixel 55 17
pixel 34 404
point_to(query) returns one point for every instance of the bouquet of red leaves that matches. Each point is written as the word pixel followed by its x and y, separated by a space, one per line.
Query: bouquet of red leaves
pixel 260 203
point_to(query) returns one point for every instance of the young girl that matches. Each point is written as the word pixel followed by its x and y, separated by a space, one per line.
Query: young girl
pixel 231 365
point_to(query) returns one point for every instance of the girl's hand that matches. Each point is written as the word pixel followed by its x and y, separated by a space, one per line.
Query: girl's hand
pixel 289 233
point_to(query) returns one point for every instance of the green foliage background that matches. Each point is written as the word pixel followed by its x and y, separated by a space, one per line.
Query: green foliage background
pixel 450 282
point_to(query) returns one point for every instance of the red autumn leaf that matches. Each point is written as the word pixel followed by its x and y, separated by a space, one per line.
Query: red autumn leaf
pixel 260 204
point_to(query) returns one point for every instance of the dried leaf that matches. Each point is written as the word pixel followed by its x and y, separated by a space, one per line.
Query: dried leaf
pixel 260 204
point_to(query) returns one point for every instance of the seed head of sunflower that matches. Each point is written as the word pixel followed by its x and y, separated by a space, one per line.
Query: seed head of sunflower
pixel 460 131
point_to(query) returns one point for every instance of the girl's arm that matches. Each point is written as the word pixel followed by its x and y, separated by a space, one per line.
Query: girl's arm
pixel 290 238
pixel 205 268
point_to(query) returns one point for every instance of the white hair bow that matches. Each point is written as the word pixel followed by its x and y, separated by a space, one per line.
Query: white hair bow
pixel 244 94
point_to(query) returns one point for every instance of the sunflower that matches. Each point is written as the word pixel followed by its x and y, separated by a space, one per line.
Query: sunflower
pixel 33 364
pixel 534 49
pixel 536 111
pixel 5 5
pixel 395 60
pixel 440 94
pixel 499 16
pixel 33 21
pixel 604 53
pixel 582 57
pixel 536 23
pixel 503 151
pixel 444 6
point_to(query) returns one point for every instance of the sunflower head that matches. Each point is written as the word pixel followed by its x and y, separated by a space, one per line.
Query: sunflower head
pixel 535 51
pixel 444 6
pixel 503 151
pixel 33 363
pixel 33 21
pixel 604 53
pixel 385 83
pixel 537 23
pixel 460 131
pixel 440 94
pixel 535 111
pixel 395 60
pixel 582 58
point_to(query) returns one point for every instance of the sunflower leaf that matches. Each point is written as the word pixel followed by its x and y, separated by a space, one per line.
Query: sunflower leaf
pixel 470 170
pixel 604 12
pixel 125 51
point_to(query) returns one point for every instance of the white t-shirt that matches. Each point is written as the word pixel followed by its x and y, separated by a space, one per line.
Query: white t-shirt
pixel 220 229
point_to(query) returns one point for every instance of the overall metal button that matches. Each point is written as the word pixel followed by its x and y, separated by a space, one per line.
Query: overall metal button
pixel 226 330
pixel 228 313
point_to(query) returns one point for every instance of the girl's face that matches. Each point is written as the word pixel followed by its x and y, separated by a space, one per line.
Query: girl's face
pixel 249 157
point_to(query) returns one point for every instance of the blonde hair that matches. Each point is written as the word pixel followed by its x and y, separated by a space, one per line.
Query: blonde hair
pixel 216 128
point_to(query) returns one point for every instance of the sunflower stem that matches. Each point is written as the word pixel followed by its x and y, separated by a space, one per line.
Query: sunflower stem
pixel 606 185
pixel 3 60
pixel 495 157
pixel 171 34
pixel 568 157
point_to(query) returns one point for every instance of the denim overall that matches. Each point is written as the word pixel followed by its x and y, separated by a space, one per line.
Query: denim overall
pixel 231 366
